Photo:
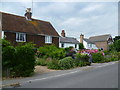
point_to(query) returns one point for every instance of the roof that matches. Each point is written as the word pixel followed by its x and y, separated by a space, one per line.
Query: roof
pixel 99 38
pixel 16 23
pixel 87 40
pixel 69 40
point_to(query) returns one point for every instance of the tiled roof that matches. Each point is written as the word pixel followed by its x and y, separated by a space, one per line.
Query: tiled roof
pixel 16 23
pixel 69 40
pixel 99 38
pixel 87 40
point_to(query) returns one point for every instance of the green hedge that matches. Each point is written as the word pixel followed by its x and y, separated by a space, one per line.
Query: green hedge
pixel 51 51
pixel 17 61
pixel 97 57
pixel 66 63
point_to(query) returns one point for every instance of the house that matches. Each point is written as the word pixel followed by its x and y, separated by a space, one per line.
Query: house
pixel 25 29
pixel 97 42
pixel 68 41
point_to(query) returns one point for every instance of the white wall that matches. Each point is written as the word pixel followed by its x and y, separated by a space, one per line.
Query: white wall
pixel 89 46
pixel 68 45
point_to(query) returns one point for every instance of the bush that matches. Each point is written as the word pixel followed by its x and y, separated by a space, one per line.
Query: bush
pixel 7 60
pixel 97 57
pixel 82 57
pixel 25 60
pixel 51 51
pixel 81 46
pixel 41 61
pixel 53 64
pixel 66 63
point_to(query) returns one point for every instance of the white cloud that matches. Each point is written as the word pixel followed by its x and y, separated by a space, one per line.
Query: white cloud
pixel 91 8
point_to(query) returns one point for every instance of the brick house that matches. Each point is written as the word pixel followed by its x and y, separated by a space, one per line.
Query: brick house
pixel 25 29
pixel 97 42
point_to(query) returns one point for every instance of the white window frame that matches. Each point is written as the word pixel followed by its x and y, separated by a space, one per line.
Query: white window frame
pixel 18 36
pixel 2 35
pixel 48 39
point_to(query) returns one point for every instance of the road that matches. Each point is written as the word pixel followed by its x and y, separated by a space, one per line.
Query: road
pixel 96 77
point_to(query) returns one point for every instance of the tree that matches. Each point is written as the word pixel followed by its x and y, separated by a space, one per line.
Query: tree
pixel 117 45
pixel 81 46
pixel 116 38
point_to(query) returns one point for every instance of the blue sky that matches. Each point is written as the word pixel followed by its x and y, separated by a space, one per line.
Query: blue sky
pixel 88 18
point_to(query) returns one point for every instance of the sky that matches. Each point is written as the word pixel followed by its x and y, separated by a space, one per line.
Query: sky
pixel 88 18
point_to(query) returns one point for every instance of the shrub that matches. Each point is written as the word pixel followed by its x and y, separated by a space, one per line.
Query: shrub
pixel 41 61
pixel 53 64
pixel 97 57
pixel 82 57
pixel 24 60
pixel 66 63
pixel 51 51
pixel 81 46
pixel 82 63
pixel 7 60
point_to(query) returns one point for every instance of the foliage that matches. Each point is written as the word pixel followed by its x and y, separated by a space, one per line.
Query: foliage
pixel 41 61
pixel 53 64
pixel 82 57
pixel 18 60
pixel 97 57
pixel 66 63
pixel 117 45
pixel 25 60
pixel 5 43
pixel 51 51
pixel 81 46
pixel 116 38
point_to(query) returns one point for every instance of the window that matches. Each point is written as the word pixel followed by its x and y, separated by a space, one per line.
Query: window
pixel 48 39
pixel 20 37
pixel 62 44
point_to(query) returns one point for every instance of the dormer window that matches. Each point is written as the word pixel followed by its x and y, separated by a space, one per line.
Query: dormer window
pixel 20 37
pixel 48 39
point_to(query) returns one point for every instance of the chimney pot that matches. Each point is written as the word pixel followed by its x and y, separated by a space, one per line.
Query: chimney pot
pixel 28 14
pixel 63 33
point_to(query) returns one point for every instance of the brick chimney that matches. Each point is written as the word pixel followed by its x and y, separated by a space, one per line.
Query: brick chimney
pixel 63 33
pixel 81 38
pixel 28 14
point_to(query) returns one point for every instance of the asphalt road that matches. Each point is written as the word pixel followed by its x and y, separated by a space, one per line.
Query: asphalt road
pixel 99 77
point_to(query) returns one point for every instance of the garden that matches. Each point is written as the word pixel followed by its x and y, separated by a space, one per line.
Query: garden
pixel 20 61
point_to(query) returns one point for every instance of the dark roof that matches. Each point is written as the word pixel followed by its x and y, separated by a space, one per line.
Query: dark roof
pixel 99 38
pixel 16 23
pixel 69 40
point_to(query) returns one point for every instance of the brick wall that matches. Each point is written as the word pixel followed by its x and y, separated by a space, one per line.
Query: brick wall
pixel 103 45
pixel 36 39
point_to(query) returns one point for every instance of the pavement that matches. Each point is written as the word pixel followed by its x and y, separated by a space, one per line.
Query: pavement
pixel 98 75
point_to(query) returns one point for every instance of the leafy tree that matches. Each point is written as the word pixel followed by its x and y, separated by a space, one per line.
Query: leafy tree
pixel 116 38
pixel 117 45
pixel 81 46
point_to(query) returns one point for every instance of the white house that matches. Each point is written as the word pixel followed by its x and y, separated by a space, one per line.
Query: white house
pixel 68 41
pixel 87 43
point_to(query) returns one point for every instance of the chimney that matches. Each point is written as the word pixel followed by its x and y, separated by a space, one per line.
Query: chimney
pixel 28 14
pixel 81 38
pixel 63 33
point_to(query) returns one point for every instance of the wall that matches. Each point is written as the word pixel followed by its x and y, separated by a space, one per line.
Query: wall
pixel 68 45
pixel 36 39
pixel 103 45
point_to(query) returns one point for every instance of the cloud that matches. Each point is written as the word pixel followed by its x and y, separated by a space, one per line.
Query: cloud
pixel 91 8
